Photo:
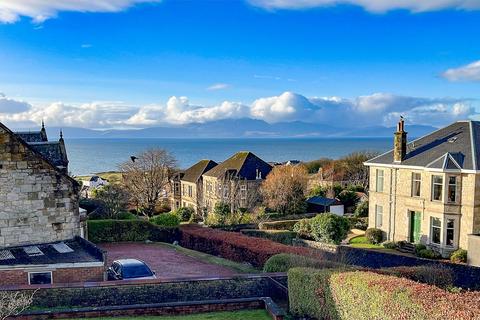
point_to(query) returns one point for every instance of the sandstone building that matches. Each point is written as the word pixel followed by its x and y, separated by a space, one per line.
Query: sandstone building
pixel 39 208
pixel 192 185
pixel 428 191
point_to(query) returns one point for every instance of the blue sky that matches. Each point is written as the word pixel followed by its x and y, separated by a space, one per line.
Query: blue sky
pixel 134 65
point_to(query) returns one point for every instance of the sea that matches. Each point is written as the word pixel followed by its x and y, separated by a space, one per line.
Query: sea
pixel 88 156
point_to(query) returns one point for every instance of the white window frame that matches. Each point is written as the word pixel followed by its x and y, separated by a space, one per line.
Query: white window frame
pixel 377 225
pixel 457 194
pixel 419 181
pixel 442 184
pixel 379 176
pixel 439 227
pixel 37 272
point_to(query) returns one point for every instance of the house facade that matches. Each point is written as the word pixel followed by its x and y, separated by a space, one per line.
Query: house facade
pixel 428 191
pixel 236 181
pixel 39 205
pixel 192 185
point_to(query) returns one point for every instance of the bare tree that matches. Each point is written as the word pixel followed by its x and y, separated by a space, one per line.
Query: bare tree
pixel 13 303
pixel 147 177
pixel 238 193
pixel 284 189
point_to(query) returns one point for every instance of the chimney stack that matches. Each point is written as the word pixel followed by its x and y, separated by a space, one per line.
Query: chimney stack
pixel 400 142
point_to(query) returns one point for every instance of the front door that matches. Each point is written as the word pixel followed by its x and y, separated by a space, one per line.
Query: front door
pixel 415 223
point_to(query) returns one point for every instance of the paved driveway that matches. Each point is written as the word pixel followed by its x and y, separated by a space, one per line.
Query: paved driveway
pixel 165 261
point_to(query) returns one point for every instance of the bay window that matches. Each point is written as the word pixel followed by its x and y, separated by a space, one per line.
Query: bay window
pixel 436 230
pixel 450 230
pixel 452 189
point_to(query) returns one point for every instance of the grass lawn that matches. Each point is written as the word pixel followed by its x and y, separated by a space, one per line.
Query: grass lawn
pixel 236 266
pixel 361 242
pixel 233 315
pixel 112 176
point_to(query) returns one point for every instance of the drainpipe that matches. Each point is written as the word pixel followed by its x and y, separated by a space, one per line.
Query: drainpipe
pixel 390 206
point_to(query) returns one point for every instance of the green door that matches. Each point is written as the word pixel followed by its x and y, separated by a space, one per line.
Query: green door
pixel 415 224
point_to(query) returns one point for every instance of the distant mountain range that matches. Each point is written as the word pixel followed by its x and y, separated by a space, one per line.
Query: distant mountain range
pixel 239 128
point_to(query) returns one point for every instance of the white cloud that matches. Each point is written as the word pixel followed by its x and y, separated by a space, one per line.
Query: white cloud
pixel 469 72
pixel 376 6
pixel 41 10
pixel 218 86
pixel 364 111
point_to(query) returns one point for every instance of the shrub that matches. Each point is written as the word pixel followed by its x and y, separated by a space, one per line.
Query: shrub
pixel 361 211
pixel 329 228
pixel 284 261
pixel 389 245
pixel 166 220
pixel 329 294
pixel 318 191
pixel 129 230
pixel 184 213
pixel 278 225
pixel 428 254
pixel 419 247
pixel 236 246
pixel 459 256
pixel 374 236
pixel 90 204
pixel 358 223
pixel 436 275
pixel 281 236
pixel 125 215
pixel 303 228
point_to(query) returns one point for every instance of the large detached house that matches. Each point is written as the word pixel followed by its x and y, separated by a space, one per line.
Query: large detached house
pixel 41 227
pixel 235 181
pixel 192 185
pixel 428 190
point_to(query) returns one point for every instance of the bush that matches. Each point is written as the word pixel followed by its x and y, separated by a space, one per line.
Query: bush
pixel 428 254
pixel 125 215
pixel 389 245
pixel 330 294
pixel 129 230
pixel 166 220
pixel 361 211
pixel 281 236
pixel 374 236
pixel 278 225
pixel 419 247
pixel 90 204
pixel 436 275
pixel 358 223
pixel 184 213
pixel 283 262
pixel 329 228
pixel 303 229
pixel 459 256
pixel 236 246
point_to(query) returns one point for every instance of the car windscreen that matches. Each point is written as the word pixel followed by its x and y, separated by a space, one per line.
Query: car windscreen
pixel 136 271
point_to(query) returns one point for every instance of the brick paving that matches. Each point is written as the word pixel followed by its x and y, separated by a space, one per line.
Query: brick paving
pixel 166 262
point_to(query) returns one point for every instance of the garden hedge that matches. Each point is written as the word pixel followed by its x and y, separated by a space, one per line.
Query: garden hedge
pixel 333 294
pixel 281 236
pixel 282 262
pixel 278 225
pixel 236 246
pixel 436 275
pixel 129 230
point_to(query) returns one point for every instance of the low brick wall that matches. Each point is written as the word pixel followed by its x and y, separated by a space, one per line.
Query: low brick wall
pixel 161 309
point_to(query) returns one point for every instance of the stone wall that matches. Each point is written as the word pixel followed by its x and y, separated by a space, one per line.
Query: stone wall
pixel 39 204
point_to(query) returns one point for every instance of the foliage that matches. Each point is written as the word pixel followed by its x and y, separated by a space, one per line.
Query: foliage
pixel 146 177
pixel 125 215
pixel 374 235
pixel 419 247
pixel 325 227
pixel 284 189
pixel 166 220
pixel 235 246
pixel 358 223
pixel 223 216
pixel 315 165
pixel 90 204
pixel 428 254
pixel 389 245
pixel 114 199
pixel 328 294
pixel 278 225
pixel 283 262
pixel 281 236
pixel 184 213
pixel 128 230
pixel 318 191
pixel 361 211
pixel 348 198
pixel 13 303
pixel 435 275
pixel 259 314
pixel 459 256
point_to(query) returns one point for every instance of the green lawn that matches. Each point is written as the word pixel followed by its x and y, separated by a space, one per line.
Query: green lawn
pixel 233 315
pixel 112 176
pixel 361 242
pixel 236 266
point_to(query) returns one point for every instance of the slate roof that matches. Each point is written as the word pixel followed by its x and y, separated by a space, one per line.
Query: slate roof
pixel 194 173
pixel 322 201
pixel 32 136
pixel 53 151
pixel 453 147
pixel 81 251
pixel 244 164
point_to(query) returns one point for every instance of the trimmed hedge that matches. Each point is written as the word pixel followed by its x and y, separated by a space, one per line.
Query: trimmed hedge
pixel 281 236
pixel 236 246
pixel 284 261
pixel 436 275
pixel 278 225
pixel 166 220
pixel 333 294
pixel 129 230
